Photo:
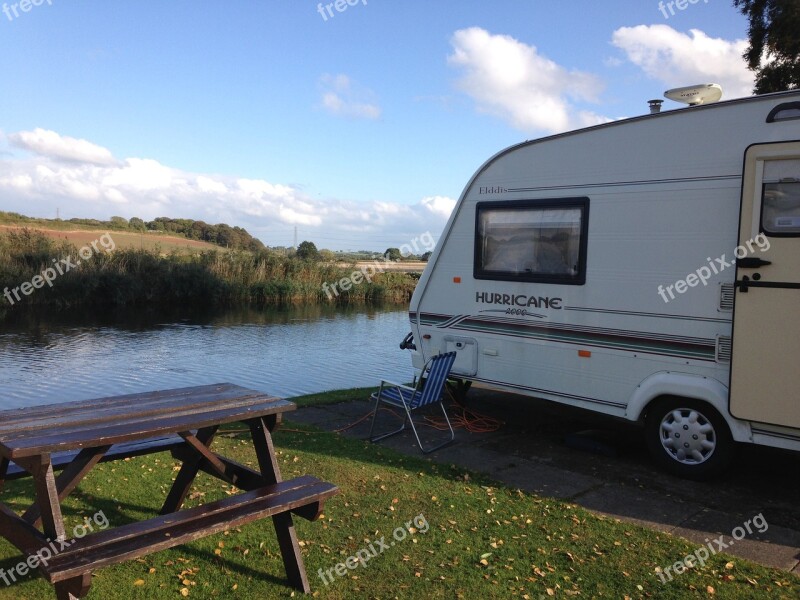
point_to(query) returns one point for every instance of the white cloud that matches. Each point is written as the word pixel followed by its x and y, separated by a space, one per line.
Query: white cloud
pixel 513 81
pixel 145 188
pixel 440 206
pixel 341 97
pixel 679 59
pixel 50 144
pixel 139 174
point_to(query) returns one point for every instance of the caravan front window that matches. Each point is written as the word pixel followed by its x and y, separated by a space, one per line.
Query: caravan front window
pixel 535 240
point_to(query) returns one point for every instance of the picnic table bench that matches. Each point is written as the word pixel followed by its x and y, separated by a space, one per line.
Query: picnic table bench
pixel 73 437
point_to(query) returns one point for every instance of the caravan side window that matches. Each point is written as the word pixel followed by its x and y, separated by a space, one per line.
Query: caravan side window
pixel 780 214
pixel 532 240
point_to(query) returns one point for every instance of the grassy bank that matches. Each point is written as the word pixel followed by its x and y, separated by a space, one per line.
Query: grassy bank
pixel 474 539
pixel 131 277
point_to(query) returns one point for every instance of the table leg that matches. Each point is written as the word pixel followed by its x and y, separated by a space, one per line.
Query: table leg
pixel 189 470
pixel 290 551
pixel 73 589
pixel 24 536
pixel 69 478
pixel 47 496
pixel 265 451
pixel 3 470
pixel 284 526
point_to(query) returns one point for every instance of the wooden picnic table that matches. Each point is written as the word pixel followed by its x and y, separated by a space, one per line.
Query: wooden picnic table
pixel 73 437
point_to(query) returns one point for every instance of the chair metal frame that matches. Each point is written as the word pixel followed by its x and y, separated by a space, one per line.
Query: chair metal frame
pixel 434 375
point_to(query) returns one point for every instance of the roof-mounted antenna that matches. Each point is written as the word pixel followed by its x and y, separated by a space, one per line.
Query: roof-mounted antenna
pixel 694 95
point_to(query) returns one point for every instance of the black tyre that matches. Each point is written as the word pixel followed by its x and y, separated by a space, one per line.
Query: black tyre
pixel 688 438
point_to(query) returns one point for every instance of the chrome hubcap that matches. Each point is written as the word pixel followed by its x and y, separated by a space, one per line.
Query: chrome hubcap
pixel 688 436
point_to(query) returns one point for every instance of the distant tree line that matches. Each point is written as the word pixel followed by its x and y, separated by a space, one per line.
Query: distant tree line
pixel 235 238
pixel 221 234
pixel 308 251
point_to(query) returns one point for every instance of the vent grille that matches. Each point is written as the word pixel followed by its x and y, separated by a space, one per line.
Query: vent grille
pixel 726 297
pixel 724 349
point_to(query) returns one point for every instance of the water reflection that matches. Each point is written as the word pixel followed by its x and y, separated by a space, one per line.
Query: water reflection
pixel 285 352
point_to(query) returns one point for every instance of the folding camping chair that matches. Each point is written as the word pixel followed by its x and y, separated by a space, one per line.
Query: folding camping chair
pixel 428 391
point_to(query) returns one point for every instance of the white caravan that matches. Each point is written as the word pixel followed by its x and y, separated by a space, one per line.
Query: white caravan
pixel 647 269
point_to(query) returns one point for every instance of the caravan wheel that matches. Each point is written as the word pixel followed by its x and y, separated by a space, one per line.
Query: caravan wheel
pixel 688 438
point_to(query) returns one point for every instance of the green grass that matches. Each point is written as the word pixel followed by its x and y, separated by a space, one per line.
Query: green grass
pixel 483 541
pixel 333 397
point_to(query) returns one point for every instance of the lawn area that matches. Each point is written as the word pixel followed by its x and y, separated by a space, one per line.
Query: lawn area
pixel 448 533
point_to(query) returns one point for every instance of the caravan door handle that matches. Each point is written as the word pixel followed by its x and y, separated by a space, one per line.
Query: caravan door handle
pixel 751 262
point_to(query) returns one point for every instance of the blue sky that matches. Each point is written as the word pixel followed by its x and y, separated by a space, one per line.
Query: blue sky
pixel 360 129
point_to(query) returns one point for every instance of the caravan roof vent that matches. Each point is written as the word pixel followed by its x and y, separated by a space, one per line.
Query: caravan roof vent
pixel 655 106
pixel 706 93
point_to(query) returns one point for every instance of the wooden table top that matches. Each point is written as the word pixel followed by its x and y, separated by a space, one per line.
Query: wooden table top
pixel 37 430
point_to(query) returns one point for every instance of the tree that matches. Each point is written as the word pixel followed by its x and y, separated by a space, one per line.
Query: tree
pixel 327 255
pixel 307 251
pixel 392 254
pixel 425 257
pixel 774 50
pixel 137 223
pixel 119 223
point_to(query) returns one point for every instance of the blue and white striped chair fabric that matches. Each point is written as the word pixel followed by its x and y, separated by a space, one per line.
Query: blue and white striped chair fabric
pixel 428 391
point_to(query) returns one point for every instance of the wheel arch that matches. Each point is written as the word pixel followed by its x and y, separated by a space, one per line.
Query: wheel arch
pixel 684 385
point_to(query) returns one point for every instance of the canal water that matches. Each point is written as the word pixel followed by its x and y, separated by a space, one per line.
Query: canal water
pixel 285 352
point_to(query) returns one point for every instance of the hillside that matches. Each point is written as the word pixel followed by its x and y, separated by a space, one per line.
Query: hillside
pixel 123 239
pixel 135 233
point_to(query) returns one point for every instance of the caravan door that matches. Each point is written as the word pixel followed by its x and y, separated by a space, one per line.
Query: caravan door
pixel 766 322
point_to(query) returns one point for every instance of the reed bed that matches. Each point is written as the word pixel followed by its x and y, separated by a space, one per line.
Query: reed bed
pixel 140 277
